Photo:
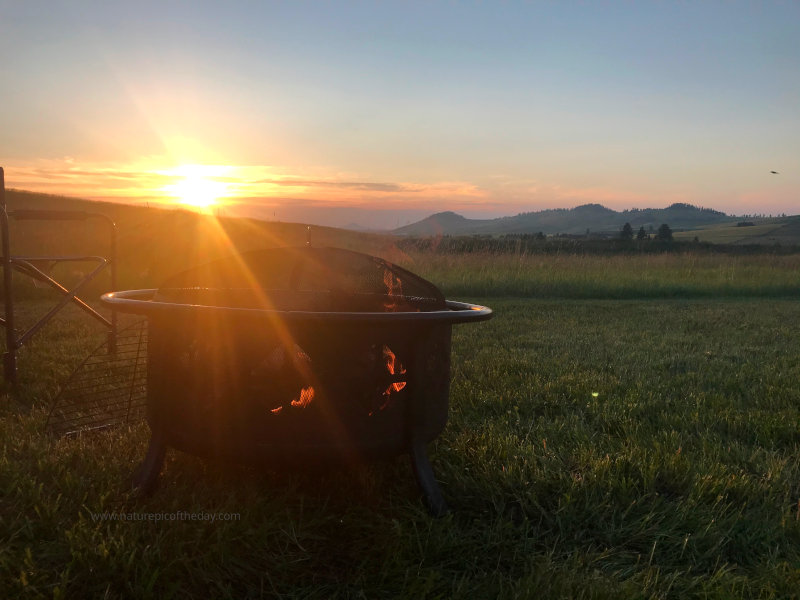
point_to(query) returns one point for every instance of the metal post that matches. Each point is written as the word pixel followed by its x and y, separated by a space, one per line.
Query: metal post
pixel 112 334
pixel 10 355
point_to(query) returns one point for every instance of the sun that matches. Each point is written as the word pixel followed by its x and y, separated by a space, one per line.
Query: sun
pixel 198 186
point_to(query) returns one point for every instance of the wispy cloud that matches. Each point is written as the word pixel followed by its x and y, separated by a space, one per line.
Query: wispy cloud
pixel 352 185
pixel 148 180
pixel 151 179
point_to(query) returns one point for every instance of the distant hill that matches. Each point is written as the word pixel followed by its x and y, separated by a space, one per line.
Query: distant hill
pixel 444 223
pixel 154 243
pixel 769 231
pixel 594 217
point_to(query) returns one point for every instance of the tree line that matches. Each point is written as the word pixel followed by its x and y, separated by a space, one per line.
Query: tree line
pixel 654 242
pixel 663 234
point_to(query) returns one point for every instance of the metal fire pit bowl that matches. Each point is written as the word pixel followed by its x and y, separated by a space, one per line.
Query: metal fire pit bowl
pixel 297 356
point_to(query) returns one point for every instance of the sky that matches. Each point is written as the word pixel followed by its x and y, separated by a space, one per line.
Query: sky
pixel 381 113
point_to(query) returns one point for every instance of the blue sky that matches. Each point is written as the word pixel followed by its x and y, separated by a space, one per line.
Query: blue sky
pixel 482 108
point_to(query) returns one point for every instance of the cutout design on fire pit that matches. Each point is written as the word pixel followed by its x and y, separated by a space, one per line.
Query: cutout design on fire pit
pixel 393 367
pixel 304 279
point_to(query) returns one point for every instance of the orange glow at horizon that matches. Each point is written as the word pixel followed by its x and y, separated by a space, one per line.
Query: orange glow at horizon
pixel 197 186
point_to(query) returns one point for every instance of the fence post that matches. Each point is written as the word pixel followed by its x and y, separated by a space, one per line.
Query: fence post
pixel 112 334
pixel 10 355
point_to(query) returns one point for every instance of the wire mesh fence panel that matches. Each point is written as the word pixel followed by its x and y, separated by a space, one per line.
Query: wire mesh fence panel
pixel 108 388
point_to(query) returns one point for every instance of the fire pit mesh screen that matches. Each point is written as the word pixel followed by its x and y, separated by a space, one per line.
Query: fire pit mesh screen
pixel 108 388
pixel 304 279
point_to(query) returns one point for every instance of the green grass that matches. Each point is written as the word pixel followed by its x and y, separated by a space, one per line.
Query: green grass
pixel 611 277
pixel 625 427
pixel 596 449
pixel 728 233
pixel 776 230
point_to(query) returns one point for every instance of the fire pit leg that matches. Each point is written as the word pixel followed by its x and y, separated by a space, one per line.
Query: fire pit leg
pixel 145 477
pixel 426 479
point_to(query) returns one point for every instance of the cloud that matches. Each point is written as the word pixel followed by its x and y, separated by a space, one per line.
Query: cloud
pixel 148 180
pixel 86 181
pixel 354 185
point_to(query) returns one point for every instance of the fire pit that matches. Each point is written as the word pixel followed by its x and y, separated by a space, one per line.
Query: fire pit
pixel 297 355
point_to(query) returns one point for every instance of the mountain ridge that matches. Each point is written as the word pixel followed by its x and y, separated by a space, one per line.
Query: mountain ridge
pixel 594 217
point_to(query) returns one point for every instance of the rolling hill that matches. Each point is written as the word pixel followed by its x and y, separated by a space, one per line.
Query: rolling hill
pixel 770 231
pixel 154 243
pixel 594 217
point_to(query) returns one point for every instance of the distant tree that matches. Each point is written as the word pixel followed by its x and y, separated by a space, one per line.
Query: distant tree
pixel 540 235
pixel 642 235
pixel 664 233
pixel 627 232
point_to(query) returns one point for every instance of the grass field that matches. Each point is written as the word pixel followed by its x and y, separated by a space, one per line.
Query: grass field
pixel 596 449
pixel 770 231
pixel 618 277
pixel 625 427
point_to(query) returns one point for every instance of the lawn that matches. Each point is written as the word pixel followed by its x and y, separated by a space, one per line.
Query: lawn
pixel 625 448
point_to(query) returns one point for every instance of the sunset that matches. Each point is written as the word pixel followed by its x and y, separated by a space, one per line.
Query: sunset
pixel 376 299
pixel 197 186
pixel 390 112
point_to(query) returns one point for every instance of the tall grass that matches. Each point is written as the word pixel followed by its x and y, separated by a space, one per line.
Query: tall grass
pixel 620 276
pixel 155 244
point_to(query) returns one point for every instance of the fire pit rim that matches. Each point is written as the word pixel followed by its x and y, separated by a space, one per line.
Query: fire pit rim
pixel 141 302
